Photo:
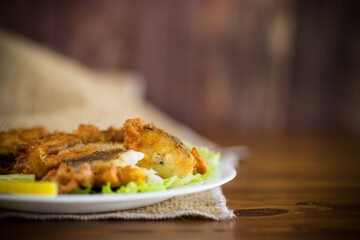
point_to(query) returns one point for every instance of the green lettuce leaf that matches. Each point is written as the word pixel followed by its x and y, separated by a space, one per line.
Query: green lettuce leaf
pixel 80 190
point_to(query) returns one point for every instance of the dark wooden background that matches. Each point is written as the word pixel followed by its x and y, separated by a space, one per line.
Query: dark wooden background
pixel 248 66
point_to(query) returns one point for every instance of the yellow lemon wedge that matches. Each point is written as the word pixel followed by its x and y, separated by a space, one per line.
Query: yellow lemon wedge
pixel 17 177
pixel 30 187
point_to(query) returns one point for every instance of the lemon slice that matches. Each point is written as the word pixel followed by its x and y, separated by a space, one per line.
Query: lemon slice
pixel 17 177
pixel 21 187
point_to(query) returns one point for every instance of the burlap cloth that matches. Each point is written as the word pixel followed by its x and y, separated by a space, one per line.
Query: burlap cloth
pixel 40 87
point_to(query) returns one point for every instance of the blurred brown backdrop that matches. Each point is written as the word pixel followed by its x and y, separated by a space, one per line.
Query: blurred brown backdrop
pixel 247 66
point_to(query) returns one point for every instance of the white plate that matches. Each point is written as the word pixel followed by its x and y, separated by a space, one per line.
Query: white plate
pixel 108 202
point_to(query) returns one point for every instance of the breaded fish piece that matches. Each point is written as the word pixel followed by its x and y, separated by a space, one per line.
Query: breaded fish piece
pixel 13 140
pixel 9 141
pixel 44 154
pixel 32 159
pixel 38 152
pixel 164 153
pixel 73 156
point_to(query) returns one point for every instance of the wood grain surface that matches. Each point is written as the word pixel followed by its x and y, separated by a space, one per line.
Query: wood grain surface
pixel 242 65
pixel 290 187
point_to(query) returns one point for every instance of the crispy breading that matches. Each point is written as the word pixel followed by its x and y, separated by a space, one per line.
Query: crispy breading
pixel 201 165
pixel 128 174
pixel 132 130
pixel 117 176
pixel 76 155
pixel 9 141
pixel 32 159
pixel 64 176
pixel 164 153
pixel 44 154
pixel 85 177
pixel 68 179
pixel 90 133
pixel 12 141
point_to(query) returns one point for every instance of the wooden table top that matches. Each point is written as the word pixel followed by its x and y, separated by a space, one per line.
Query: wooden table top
pixel 291 187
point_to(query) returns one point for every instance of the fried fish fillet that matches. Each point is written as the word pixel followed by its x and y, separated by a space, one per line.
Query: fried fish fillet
pixel 33 158
pixel 163 152
pixel 9 141
pixel 13 141
pixel 94 164
pixel 43 154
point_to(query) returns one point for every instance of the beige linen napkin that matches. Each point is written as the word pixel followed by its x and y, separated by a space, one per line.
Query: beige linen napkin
pixel 208 204
pixel 40 87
